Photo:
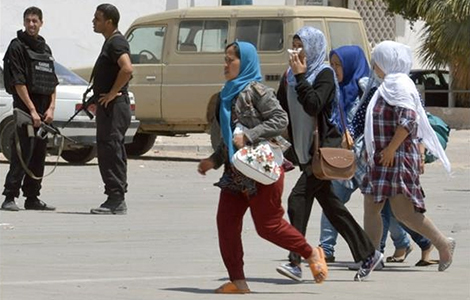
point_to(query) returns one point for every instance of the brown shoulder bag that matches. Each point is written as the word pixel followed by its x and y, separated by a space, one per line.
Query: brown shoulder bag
pixel 334 163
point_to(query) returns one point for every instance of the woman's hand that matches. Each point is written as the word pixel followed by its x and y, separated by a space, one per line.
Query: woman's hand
pixel 421 163
pixel 298 66
pixel 239 140
pixel 388 153
pixel 386 157
pixel 205 165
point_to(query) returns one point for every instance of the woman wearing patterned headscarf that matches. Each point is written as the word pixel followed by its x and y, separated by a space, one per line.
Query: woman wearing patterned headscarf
pixel 245 100
pixel 308 93
pixel 395 123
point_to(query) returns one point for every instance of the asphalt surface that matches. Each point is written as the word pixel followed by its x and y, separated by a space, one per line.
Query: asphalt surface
pixel 166 246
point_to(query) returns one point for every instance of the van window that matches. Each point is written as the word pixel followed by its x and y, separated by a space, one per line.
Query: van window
pixel 146 44
pixel 266 35
pixel 315 24
pixel 345 33
pixel 202 36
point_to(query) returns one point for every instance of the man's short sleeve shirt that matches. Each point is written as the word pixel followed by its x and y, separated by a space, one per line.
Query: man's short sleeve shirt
pixel 106 68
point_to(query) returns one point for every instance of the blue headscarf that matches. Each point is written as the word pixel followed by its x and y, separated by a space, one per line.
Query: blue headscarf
pixel 314 47
pixel 355 66
pixel 249 71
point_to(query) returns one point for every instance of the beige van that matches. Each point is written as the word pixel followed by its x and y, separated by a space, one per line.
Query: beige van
pixel 178 57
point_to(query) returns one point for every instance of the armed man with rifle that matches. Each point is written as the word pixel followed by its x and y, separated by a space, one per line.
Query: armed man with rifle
pixel 30 77
pixel 111 74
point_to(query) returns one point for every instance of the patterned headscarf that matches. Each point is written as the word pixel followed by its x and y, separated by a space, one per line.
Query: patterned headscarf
pixel 249 71
pixel 314 47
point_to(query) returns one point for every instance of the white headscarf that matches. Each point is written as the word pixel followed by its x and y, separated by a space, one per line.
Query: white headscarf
pixel 397 89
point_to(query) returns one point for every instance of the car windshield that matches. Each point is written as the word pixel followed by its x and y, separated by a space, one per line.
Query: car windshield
pixel 67 77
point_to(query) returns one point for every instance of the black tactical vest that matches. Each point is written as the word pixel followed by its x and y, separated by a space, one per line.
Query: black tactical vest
pixel 40 77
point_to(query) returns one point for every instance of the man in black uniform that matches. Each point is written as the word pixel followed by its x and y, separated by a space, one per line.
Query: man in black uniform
pixel 30 77
pixel 111 73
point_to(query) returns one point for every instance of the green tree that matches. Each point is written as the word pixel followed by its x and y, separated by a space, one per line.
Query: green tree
pixel 446 36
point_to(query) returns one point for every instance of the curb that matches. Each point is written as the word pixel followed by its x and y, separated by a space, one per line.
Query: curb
pixel 183 148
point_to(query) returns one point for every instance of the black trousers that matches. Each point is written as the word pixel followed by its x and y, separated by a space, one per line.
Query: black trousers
pixel 111 126
pixel 300 204
pixel 34 155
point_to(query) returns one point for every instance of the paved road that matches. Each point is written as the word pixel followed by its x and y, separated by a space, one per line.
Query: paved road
pixel 166 247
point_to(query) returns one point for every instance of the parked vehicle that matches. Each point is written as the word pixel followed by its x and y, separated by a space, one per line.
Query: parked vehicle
pixel 434 84
pixel 177 56
pixel 69 99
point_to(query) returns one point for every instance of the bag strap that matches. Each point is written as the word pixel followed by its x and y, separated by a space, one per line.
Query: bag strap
pixel 316 139
pixel 346 133
pixel 92 75
pixel 93 71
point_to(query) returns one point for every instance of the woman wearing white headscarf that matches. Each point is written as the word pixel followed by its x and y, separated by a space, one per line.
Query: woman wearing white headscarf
pixel 395 124
pixel 308 94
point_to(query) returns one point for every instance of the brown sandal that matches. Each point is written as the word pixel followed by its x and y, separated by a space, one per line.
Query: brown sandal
pixel 319 268
pixel 230 288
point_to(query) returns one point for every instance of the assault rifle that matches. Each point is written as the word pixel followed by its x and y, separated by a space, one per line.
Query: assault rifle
pixel 23 118
pixel 85 104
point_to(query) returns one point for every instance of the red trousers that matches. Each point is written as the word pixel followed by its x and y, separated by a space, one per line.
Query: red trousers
pixel 267 213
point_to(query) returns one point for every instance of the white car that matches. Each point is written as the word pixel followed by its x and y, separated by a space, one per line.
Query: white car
pixel 69 99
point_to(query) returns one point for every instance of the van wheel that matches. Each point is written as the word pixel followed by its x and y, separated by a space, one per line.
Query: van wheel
pixel 79 156
pixel 141 144
pixel 7 134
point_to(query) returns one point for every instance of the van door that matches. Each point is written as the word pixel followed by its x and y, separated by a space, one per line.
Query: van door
pixel 347 32
pixel 194 73
pixel 268 37
pixel 146 46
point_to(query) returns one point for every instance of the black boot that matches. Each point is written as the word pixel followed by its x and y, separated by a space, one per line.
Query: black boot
pixel 111 208
pixel 33 203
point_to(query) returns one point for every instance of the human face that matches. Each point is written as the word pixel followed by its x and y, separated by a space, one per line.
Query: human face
pixel 99 23
pixel 32 24
pixel 337 66
pixel 378 71
pixel 232 64
pixel 296 44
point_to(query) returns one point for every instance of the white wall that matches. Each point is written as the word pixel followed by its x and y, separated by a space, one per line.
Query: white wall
pixel 411 37
pixel 67 24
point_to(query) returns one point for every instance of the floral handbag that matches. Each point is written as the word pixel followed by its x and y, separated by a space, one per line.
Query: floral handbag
pixel 261 162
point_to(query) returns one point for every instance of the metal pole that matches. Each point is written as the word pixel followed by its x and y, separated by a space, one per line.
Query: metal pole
pixel 451 101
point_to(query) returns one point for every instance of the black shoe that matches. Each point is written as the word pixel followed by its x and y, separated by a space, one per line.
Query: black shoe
pixel 10 204
pixel 36 204
pixel 108 209
pixel 330 258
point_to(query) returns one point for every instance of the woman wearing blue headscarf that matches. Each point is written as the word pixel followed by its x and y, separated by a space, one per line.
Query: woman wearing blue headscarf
pixel 244 100
pixel 350 66
pixel 308 93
